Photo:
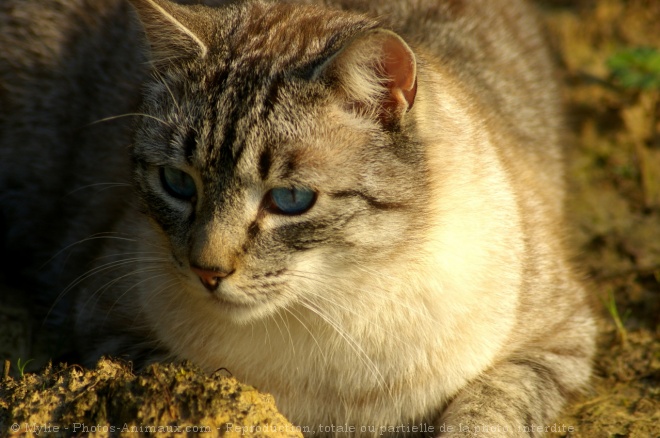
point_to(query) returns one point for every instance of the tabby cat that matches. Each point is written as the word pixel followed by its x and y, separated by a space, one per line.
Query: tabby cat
pixel 355 205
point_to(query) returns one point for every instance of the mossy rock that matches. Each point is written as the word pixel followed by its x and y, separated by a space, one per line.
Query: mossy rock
pixel 112 401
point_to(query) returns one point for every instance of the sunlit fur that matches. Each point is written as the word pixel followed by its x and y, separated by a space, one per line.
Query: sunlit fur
pixel 428 283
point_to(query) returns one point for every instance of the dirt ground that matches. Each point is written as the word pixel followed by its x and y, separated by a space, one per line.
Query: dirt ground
pixel 614 204
pixel 611 72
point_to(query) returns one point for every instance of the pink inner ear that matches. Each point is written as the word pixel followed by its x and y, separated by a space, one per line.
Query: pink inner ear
pixel 399 68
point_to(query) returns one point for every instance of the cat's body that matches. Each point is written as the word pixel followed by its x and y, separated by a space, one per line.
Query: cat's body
pixel 415 275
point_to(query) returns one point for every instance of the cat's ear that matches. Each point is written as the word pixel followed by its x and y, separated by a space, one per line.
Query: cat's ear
pixel 377 71
pixel 173 31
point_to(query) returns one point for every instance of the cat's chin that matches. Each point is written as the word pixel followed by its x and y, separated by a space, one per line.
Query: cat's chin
pixel 242 313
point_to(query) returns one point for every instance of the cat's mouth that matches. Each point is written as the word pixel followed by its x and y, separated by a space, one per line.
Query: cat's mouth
pixel 240 306
pixel 229 291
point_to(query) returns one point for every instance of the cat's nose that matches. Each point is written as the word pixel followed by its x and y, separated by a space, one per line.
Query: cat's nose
pixel 211 277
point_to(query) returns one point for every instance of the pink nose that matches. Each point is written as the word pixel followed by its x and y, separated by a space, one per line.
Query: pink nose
pixel 210 277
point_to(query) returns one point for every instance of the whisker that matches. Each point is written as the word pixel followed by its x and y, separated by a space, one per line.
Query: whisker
pixel 316 341
pixel 361 316
pixel 162 80
pixel 347 309
pixel 384 294
pixel 96 270
pixel 120 297
pixel 104 235
pixel 85 240
pixel 267 339
pixel 103 288
pixel 111 118
pixel 106 186
pixel 273 317
pixel 173 282
pixel 350 341
pixel 136 253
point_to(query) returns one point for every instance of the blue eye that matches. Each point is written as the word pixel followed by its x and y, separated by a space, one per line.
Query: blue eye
pixel 291 201
pixel 178 183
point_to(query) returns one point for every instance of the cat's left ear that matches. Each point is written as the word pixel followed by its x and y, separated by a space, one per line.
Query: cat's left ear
pixel 376 71
pixel 174 31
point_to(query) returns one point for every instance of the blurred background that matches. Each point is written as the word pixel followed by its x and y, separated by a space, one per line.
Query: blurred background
pixel 609 57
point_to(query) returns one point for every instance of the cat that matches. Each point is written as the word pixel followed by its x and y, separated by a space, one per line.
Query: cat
pixel 356 206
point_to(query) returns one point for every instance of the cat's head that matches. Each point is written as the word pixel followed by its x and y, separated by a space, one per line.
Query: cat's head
pixel 275 155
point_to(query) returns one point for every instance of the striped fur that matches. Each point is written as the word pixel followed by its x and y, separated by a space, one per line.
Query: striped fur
pixel 428 284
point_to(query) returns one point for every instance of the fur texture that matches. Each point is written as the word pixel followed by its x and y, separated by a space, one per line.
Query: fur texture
pixel 426 280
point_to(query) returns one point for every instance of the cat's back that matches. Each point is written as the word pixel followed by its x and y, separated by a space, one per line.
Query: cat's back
pixel 56 43
pixel 68 69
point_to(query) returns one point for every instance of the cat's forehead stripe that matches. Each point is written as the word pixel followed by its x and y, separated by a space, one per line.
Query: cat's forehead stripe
pixel 189 146
pixel 265 163
pixel 270 97
pixel 240 115
pixel 226 130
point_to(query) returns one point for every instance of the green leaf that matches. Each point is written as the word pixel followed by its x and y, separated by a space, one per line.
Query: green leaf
pixel 636 68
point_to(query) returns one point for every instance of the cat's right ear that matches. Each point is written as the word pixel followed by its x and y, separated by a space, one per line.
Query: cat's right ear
pixel 376 72
pixel 173 31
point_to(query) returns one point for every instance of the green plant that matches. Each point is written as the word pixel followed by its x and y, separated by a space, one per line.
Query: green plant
pixel 636 68
pixel 21 366
pixel 610 305
pixel 636 71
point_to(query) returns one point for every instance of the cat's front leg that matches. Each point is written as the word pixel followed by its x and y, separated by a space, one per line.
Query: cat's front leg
pixel 520 397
